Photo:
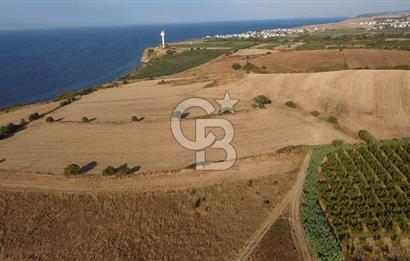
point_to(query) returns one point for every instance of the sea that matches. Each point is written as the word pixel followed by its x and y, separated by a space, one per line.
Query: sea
pixel 39 64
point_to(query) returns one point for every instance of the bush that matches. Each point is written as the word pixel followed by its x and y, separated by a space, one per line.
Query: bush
pixel 49 119
pixel 261 101
pixel 236 66
pixel 85 120
pixel 64 103
pixel 34 116
pixel 366 136
pixel 170 52
pixel 337 142
pixel 291 104
pixel 249 67
pixel 332 119
pixel 315 113
pixel 109 171
pixel 72 169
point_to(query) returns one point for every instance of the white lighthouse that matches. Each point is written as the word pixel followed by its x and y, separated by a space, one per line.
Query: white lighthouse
pixel 163 38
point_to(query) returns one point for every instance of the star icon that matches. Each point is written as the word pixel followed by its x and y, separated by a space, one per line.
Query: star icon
pixel 227 104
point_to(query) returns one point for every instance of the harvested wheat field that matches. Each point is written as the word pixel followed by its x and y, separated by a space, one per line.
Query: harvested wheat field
pixel 16 115
pixel 112 139
pixel 302 61
pixel 207 216
pixel 376 100
pixel 333 60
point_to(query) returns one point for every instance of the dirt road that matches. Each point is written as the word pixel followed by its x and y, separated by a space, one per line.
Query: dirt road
pixel 295 220
pixel 290 198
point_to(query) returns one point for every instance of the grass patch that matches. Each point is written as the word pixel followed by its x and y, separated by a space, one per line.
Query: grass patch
pixel 171 64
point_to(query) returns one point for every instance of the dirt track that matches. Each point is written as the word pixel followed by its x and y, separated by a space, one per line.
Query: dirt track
pixel 291 198
pixel 296 222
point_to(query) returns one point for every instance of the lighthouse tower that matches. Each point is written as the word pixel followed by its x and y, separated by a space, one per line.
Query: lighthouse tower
pixel 163 38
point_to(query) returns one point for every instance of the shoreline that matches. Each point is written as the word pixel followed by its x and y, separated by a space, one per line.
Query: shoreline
pixel 120 78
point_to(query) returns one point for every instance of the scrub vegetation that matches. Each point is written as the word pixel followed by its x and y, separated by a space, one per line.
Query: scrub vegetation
pixel 171 64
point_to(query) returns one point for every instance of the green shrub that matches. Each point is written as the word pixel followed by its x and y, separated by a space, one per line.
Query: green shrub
pixel 49 119
pixel 72 169
pixel 332 119
pixel 291 104
pixel 261 101
pixel 109 171
pixel 337 142
pixel 34 116
pixel 315 113
pixel 236 66
pixel 9 129
pixel 85 120
pixel 249 67
pixel 366 136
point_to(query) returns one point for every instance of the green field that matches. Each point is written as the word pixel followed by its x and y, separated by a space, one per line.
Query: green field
pixel 397 39
pixel 229 44
pixel 175 63
pixel 364 192
pixel 317 229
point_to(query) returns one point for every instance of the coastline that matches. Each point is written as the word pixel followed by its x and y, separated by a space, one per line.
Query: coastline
pixel 23 104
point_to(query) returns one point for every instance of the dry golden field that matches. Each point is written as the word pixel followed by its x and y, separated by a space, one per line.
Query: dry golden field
pixel 168 216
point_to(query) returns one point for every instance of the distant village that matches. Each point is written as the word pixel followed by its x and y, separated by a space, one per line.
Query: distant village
pixel 376 23
pixel 389 22
pixel 264 34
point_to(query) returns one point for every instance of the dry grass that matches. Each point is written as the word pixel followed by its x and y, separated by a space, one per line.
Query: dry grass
pixel 137 225
pixel 333 60
pixel 111 139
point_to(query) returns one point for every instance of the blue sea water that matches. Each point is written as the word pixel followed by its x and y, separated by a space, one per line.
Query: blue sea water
pixel 37 65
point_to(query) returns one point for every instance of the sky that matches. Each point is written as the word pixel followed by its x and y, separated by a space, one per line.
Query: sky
pixel 73 13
